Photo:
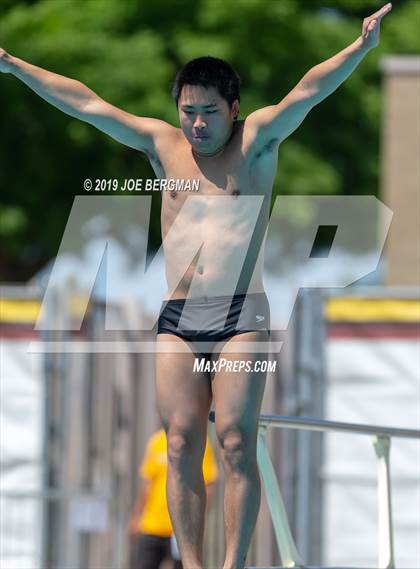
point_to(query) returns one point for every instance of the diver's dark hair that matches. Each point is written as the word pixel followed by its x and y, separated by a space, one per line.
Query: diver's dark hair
pixel 209 72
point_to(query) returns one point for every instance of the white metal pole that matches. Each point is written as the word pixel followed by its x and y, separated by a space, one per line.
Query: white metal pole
pixel 288 552
pixel 385 531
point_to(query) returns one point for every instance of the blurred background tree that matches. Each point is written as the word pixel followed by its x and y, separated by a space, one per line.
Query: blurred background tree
pixel 129 52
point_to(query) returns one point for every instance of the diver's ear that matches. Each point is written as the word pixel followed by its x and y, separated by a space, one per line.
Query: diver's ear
pixel 235 109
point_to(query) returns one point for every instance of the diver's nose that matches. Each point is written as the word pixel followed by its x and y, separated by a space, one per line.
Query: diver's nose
pixel 199 123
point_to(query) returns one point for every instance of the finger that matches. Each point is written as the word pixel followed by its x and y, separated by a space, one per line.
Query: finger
pixel 383 11
pixel 368 26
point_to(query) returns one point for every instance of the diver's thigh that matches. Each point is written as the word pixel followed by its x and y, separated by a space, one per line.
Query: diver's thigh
pixel 182 394
pixel 238 394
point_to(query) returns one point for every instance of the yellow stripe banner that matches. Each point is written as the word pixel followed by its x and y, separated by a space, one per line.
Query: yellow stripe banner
pixel 372 310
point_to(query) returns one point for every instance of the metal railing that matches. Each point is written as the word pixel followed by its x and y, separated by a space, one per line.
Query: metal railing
pixel 381 443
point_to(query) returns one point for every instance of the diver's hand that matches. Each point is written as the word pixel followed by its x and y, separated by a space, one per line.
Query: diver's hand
pixel 371 27
pixel 5 61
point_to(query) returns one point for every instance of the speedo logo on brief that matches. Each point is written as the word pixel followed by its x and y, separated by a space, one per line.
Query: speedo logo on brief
pixel 259 318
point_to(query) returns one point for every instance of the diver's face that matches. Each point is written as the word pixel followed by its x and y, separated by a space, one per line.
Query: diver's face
pixel 205 118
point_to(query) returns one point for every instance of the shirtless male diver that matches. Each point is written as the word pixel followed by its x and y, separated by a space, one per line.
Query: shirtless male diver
pixel 229 157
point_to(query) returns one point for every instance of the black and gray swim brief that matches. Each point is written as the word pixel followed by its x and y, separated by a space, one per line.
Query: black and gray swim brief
pixel 212 319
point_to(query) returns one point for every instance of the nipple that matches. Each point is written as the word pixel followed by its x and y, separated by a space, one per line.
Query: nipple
pixel 173 194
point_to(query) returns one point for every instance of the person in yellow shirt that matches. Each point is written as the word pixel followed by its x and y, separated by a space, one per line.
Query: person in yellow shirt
pixel 151 530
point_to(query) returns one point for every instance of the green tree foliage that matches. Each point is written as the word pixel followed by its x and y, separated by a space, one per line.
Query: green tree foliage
pixel 128 52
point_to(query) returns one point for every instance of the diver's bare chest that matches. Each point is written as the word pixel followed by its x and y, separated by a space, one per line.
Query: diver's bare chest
pixel 228 177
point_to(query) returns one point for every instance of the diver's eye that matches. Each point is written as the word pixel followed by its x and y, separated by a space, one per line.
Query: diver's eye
pixel 211 112
pixel 188 112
